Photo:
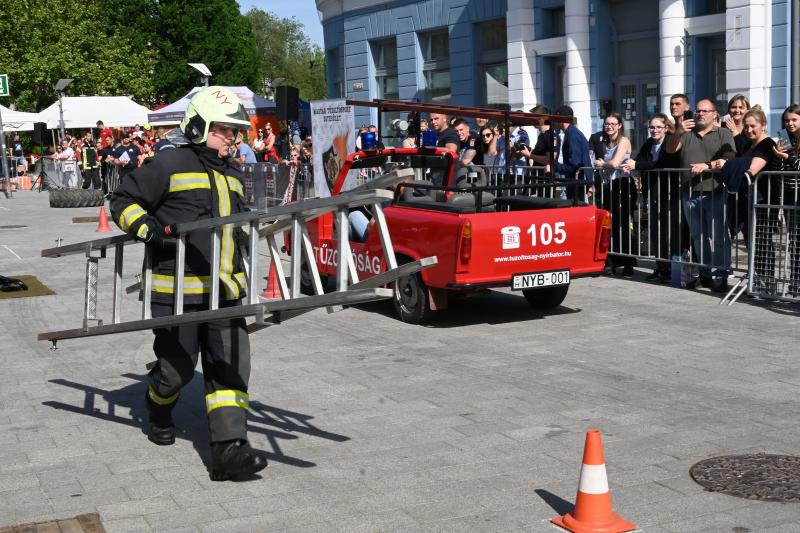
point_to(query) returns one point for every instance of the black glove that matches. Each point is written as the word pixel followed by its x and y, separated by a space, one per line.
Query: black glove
pixel 157 233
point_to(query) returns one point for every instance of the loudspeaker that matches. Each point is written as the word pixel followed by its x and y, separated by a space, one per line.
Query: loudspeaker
pixel 40 134
pixel 287 101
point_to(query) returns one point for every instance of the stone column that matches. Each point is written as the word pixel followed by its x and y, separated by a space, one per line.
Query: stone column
pixel 671 50
pixel 748 35
pixel 521 65
pixel 579 94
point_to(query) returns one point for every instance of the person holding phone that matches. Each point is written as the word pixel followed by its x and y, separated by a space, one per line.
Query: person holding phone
pixel 787 152
pixel 703 147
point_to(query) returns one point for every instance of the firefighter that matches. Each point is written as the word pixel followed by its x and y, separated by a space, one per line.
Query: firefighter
pixel 90 164
pixel 194 183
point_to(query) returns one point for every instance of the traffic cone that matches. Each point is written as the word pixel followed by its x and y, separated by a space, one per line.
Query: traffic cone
pixel 272 291
pixel 102 224
pixel 592 512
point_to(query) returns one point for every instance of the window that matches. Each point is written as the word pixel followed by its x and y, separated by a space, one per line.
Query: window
pixel 384 54
pixel 491 52
pixel 335 73
pixel 554 22
pixel 707 7
pixel 435 48
pixel 718 83
pixel 387 86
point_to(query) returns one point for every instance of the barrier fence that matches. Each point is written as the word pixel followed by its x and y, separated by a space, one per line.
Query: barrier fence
pixel 775 260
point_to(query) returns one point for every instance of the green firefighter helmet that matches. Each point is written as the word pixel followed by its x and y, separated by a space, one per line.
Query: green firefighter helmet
pixel 212 105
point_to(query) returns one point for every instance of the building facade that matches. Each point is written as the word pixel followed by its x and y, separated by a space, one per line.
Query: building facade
pixel 595 55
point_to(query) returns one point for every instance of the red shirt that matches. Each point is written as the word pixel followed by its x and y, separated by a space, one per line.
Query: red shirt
pixel 106 136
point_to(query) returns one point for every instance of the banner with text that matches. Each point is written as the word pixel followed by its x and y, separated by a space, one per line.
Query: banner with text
pixel 333 134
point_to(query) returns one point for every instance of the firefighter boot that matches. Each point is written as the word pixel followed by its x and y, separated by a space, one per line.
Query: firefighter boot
pixel 234 458
pixel 160 429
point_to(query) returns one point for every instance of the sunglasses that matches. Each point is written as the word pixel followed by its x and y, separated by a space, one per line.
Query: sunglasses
pixel 488 135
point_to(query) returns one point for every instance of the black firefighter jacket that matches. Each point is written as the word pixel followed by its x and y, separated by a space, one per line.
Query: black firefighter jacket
pixel 185 185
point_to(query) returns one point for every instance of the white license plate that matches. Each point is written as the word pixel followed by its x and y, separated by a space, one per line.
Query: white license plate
pixel 534 280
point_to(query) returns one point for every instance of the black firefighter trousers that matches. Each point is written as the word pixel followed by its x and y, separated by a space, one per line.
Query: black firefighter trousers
pixel 225 347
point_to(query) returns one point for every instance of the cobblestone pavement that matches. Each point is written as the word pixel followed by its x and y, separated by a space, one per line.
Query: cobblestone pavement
pixel 473 424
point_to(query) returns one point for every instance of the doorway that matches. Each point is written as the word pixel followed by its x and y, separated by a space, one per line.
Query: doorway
pixel 637 101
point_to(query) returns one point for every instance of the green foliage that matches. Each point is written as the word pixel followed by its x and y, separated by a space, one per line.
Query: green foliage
pixel 285 52
pixel 203 31
pixel 141 48
pixel 45 41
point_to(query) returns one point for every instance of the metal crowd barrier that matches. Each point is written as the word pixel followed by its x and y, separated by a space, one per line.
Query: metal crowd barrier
pixel 650 220
pixel 273 184
pixel 262 223
pixel 775 237
pixel 58 174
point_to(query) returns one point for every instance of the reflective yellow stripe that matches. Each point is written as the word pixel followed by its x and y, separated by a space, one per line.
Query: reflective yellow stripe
pixel 165 284
pixel 235 185
pixel 142 231
pixel 160 400
pixel 227 398
pixel 129 215
pixel 226 248
pixel 184 181
pixel 241 278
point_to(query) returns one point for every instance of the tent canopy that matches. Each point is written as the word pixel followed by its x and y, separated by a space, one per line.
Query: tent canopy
pixel 173 113
pixel 85 111
pixel 18 120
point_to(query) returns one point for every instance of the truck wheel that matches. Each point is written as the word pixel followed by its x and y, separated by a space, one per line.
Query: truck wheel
pixel 411 299
pixel 546 298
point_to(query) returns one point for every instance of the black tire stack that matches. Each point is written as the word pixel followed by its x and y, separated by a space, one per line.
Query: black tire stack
pixel 77 198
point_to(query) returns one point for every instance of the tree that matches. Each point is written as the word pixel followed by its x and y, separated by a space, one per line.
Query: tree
pixel 213 32
pixel 64 40
pixel 285 51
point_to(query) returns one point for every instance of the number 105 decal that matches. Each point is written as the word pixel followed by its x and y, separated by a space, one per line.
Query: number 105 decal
pixel 545 233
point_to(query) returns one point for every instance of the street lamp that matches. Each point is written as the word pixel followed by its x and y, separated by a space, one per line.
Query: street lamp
pixel 62 84
pixel 202 69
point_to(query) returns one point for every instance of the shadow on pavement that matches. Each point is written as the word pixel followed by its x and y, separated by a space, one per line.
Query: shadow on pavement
pixel 486 307
pixel 558 504
pixel 126 406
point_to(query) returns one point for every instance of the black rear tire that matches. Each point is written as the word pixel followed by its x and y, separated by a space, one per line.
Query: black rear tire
pixel 546 298
pixel 77 198
pixel 410 299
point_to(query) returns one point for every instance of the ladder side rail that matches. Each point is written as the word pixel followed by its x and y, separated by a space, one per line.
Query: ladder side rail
pixel 386 239
pixel 296 257
pixel 252 263
pixel 216 250
pixel 180 282
pixel 116 304
pixel 147 283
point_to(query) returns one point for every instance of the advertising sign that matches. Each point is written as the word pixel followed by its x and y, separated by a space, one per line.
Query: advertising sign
pixel 333 135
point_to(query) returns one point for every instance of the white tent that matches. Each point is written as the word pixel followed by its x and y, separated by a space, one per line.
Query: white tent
pixel 85 111
pixel 173 113
pixel 18 120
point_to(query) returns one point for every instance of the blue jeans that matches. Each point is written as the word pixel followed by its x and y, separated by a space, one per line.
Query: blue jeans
pixel 705 214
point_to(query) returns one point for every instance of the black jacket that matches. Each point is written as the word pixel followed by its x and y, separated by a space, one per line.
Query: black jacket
pixel 644 159
pixel 185 185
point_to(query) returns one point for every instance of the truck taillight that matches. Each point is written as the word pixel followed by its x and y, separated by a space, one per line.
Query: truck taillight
pixel 465 243
pixel 605 234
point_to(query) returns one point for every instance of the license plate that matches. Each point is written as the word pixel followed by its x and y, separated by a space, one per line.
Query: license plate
pixel 535 280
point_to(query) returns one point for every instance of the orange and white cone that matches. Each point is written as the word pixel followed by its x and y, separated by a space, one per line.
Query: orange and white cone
pixel 593 513
pixel 273 291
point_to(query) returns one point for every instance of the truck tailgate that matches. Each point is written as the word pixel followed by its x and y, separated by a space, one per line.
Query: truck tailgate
pixel 517 242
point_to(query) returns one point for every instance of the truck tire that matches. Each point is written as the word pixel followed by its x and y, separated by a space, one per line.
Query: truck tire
pixel 546 298
pixel 410 298
pixel 77 198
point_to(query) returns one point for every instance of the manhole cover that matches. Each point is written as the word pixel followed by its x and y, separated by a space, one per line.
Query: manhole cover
pixel 758 476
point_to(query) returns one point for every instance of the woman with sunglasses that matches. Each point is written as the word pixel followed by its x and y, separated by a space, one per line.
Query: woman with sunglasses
pixel 270 150
pixel 258 144
pixel 487 150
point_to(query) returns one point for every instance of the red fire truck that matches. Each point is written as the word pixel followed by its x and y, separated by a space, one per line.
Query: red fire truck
pixel 483 235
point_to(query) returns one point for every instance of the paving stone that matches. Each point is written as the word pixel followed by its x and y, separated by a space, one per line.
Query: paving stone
pixel 373 424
